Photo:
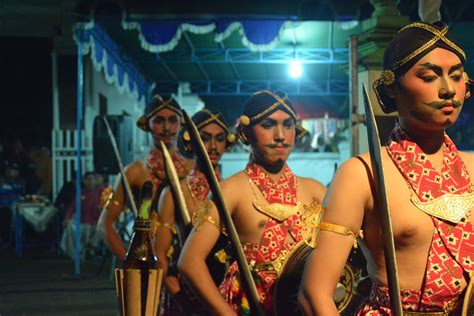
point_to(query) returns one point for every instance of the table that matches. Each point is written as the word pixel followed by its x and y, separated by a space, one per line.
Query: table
pixel 37 214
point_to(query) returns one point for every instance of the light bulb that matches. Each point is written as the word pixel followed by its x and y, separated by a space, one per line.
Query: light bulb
pixel 295 69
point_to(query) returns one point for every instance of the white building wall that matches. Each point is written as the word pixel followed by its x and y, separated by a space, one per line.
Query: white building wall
pixel 117 104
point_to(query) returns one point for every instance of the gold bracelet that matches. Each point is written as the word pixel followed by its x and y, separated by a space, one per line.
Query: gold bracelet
pixel 171 227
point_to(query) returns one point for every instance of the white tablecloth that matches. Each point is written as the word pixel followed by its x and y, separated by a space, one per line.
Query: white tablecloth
pixel 38 215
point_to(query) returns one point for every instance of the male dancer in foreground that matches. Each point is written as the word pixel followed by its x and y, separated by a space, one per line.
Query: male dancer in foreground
pixel 270 207
pixel 428 185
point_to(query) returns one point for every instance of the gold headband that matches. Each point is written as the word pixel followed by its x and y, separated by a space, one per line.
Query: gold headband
pixel 245 120
pixel 438 35
pixel 165 104
pixel 212 117
pixel 231 138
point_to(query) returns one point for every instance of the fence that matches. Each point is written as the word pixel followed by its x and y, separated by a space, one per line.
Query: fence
pixel 64 143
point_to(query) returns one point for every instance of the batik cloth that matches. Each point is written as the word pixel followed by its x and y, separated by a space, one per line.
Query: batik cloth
pixel 450 257
pixel 272 244
pixel 156 166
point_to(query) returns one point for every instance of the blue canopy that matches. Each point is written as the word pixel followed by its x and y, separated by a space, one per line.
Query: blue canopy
pixel 117 67
pixel 162 36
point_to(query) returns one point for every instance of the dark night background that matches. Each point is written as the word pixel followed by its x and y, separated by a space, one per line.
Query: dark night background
pixel 26 90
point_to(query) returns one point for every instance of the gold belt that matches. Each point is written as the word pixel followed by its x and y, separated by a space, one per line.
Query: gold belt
pixel 450 309
pixel 268 267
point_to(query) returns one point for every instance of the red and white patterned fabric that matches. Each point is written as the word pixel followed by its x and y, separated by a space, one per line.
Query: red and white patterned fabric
pixel 273 240
pixel 156 166
pixel 451 254
pixel 198 183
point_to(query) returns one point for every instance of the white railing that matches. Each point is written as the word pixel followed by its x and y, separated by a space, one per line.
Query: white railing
pixel 64 143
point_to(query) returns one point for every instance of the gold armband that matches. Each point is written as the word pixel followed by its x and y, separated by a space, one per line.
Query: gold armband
pixel 106 197
pixel 200 219
pixel 201 215
pixel 338 229
pixel 171 227
pixel 155 223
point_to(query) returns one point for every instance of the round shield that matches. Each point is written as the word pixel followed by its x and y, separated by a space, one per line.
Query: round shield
pixel 285 293
pixel 287 285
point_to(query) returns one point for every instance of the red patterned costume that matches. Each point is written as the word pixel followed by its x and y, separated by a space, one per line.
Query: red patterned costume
pixel 450 257
pixel 156 166
pixel 277 238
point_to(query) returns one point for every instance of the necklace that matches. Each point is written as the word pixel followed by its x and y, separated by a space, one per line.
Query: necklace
pixel 450 207
pixel 277 211
pixel 445 194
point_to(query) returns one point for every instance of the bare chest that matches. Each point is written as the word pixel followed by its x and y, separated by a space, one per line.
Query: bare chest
pixel 251 222
pixel 412 227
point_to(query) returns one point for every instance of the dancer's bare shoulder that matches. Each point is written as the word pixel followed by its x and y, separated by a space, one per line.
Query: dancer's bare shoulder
pixel 312 187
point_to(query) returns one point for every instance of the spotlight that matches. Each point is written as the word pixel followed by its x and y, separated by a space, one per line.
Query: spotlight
pixel 295 69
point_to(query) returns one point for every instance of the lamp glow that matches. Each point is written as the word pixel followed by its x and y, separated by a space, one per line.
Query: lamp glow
pixel 295 69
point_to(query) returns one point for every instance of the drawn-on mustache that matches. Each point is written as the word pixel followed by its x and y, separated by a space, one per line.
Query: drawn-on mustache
pixel 440 104
pixel 166 134
pixel 276 145
pixel 213 151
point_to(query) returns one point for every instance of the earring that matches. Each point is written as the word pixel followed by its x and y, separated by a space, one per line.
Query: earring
pixel 387 77
pixel 469 85
pixel 231 141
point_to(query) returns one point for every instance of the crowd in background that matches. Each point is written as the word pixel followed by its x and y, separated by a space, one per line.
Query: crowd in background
pixel 26 172
pixel 23 171
pixel 92 185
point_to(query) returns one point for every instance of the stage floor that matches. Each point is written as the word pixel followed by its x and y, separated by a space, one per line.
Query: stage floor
pixel 43 283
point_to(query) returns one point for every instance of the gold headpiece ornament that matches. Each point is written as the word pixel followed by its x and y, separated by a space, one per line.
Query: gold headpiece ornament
pixel 213 118
pixel 429 36
pixel 439 35
pixel 387 77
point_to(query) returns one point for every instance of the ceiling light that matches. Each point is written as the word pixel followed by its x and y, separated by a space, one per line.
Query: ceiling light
pixel 295 69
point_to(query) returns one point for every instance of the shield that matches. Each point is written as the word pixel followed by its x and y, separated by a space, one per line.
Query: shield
pixel 287 285
pixel 468 303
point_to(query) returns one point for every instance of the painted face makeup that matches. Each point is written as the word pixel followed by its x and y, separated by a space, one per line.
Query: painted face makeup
pixel 431 93
pixel 273 138
pixel 214 138
pixel 164 126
